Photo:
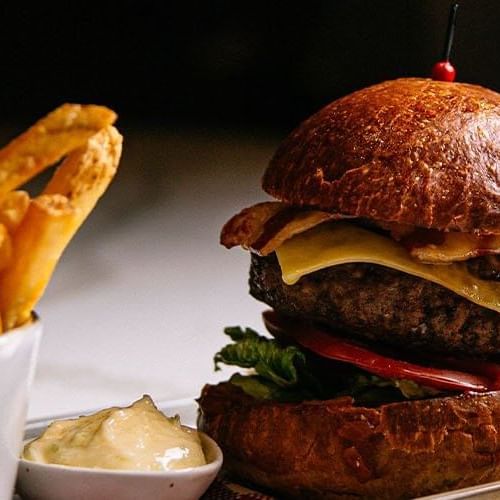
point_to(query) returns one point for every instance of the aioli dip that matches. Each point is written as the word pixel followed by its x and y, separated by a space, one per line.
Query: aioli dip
pixel 138 437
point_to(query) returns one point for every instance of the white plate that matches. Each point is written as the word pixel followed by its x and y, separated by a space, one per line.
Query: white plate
pixel 187 410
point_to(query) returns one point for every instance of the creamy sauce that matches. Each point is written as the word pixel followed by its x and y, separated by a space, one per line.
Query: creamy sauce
pixel 138 437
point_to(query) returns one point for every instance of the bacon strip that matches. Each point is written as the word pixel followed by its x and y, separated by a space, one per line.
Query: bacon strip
pixel 262 228
pixel 450 247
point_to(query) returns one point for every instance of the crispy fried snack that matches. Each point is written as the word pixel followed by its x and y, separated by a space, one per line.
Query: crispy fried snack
pixel 13 207
pixel 45 143
pixel 5 248
pixel 34 233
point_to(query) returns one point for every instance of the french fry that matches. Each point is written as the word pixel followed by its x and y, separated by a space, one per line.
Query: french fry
pixel 13 206
pixel 51 221
pixel 5 253
pixel 50 139
pixel 38 244
pixel 5 247
pixel 85 174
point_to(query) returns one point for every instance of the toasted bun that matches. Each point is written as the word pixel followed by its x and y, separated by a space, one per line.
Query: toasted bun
pixel 332 449
pixel 412 151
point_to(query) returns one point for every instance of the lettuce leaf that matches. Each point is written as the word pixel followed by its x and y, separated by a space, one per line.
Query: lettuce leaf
pixel 288 374
pixel 260 388
pixel 277 364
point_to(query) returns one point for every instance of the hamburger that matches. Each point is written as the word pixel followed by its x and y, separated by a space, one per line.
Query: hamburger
pixel 379 261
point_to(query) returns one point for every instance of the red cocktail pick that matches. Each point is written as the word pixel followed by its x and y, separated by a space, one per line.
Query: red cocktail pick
pixel 444 70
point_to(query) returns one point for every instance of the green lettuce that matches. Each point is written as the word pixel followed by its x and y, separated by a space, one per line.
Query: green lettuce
pixel 277 364
pixel 260 388
pixel 287 373
pixel 281 372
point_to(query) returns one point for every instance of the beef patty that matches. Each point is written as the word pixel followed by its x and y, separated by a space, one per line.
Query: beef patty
pixel 377 303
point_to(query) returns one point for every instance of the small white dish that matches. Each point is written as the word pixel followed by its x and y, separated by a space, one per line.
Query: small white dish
pixel 59 482
pixel 18 354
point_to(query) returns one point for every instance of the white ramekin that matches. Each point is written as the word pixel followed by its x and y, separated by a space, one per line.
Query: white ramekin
pixel 18 354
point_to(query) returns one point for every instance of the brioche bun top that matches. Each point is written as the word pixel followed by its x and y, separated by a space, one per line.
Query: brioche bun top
pixel 411 151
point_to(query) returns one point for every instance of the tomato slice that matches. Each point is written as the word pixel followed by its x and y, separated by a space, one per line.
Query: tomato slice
pixel 484 368
pixel 322 342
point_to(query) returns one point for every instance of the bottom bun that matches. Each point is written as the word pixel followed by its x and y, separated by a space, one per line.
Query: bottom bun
pixel 333 449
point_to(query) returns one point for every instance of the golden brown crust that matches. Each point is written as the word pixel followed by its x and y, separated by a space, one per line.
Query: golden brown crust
pixel 332 449
pixel 412 151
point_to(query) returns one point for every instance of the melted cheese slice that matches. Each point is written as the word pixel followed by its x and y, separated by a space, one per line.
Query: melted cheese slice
pixel 341 243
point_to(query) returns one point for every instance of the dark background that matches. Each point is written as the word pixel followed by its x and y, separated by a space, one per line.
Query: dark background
pixel 205 92
pixel 230 64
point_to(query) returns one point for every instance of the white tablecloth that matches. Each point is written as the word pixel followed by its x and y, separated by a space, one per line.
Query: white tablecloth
pixel 139 300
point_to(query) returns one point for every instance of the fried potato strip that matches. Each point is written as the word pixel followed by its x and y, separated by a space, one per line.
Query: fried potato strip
pixel 49 140
pixel 5 247
pixel 13 207
pixel 51 221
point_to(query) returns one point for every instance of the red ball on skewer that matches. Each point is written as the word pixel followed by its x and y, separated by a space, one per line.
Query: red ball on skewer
pixel 444 70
